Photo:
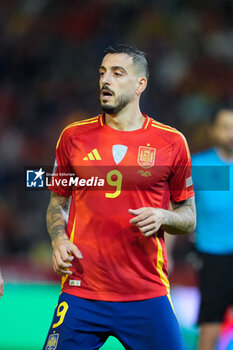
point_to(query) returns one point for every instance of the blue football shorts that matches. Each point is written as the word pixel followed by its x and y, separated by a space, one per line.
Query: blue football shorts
pixel 86 324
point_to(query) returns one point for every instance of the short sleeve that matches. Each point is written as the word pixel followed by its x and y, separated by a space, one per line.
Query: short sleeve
pixel 181 185
pixel 62 170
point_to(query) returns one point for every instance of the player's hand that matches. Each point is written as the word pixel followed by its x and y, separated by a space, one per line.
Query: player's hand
pixel 1 285
pixel 147 219
pixel 63 255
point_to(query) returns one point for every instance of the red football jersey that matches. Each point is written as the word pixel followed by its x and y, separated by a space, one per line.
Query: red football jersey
pixel 142 168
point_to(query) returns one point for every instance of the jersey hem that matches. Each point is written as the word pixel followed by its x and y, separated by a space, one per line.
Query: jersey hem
pixel 184 197
pixel 95 296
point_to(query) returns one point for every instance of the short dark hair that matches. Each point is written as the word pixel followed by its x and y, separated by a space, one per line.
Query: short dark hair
pixel 139 57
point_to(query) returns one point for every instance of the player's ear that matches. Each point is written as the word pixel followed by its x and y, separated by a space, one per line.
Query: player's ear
pixel 141 85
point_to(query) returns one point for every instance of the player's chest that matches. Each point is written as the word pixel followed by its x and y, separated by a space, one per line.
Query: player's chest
pixel 140 156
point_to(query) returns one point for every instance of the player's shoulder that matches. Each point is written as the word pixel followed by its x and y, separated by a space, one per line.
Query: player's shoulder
pixel 79 127
pixel 82 125
pixel 169 133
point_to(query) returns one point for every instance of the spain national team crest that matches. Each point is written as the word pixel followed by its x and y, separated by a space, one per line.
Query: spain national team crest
pixel 146 156
pixel 52 342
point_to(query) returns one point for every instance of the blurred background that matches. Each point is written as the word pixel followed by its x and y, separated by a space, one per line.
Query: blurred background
pixel 49 57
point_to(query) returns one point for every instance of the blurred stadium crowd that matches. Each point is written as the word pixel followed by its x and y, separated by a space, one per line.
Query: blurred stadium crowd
pixel 50 51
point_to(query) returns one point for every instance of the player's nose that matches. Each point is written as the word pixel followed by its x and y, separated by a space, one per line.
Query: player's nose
pixel 106 78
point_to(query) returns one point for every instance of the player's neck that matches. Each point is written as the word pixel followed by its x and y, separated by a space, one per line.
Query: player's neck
pixel 128 119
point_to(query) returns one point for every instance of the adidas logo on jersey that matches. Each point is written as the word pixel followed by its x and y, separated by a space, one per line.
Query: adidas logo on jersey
pixel 93 155
pixel 76 283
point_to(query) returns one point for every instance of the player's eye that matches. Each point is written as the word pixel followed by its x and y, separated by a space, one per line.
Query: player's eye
pixel 101 73
pixel 118 74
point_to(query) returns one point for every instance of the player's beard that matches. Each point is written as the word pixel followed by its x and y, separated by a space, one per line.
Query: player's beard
pixel 121 103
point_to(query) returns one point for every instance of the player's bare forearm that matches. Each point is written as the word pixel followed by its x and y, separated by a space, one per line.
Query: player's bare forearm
pixel 55 220
pixel 181 220
pixel 63 249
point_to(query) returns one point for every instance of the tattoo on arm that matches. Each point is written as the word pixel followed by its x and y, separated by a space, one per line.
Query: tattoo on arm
pixel 182 219
pixel 55 221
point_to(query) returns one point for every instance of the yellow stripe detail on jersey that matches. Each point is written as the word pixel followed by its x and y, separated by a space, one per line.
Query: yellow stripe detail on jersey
pixel 64 278
pixel 147 123
pixel 84 120
pixel 101 120
pixel 96 154
pixel 176 132
pixel 90 156
pixel 167 128
pixel 81 122
pixel 164 125
pixel 73 230
pixel 87 121
pixel 160 263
